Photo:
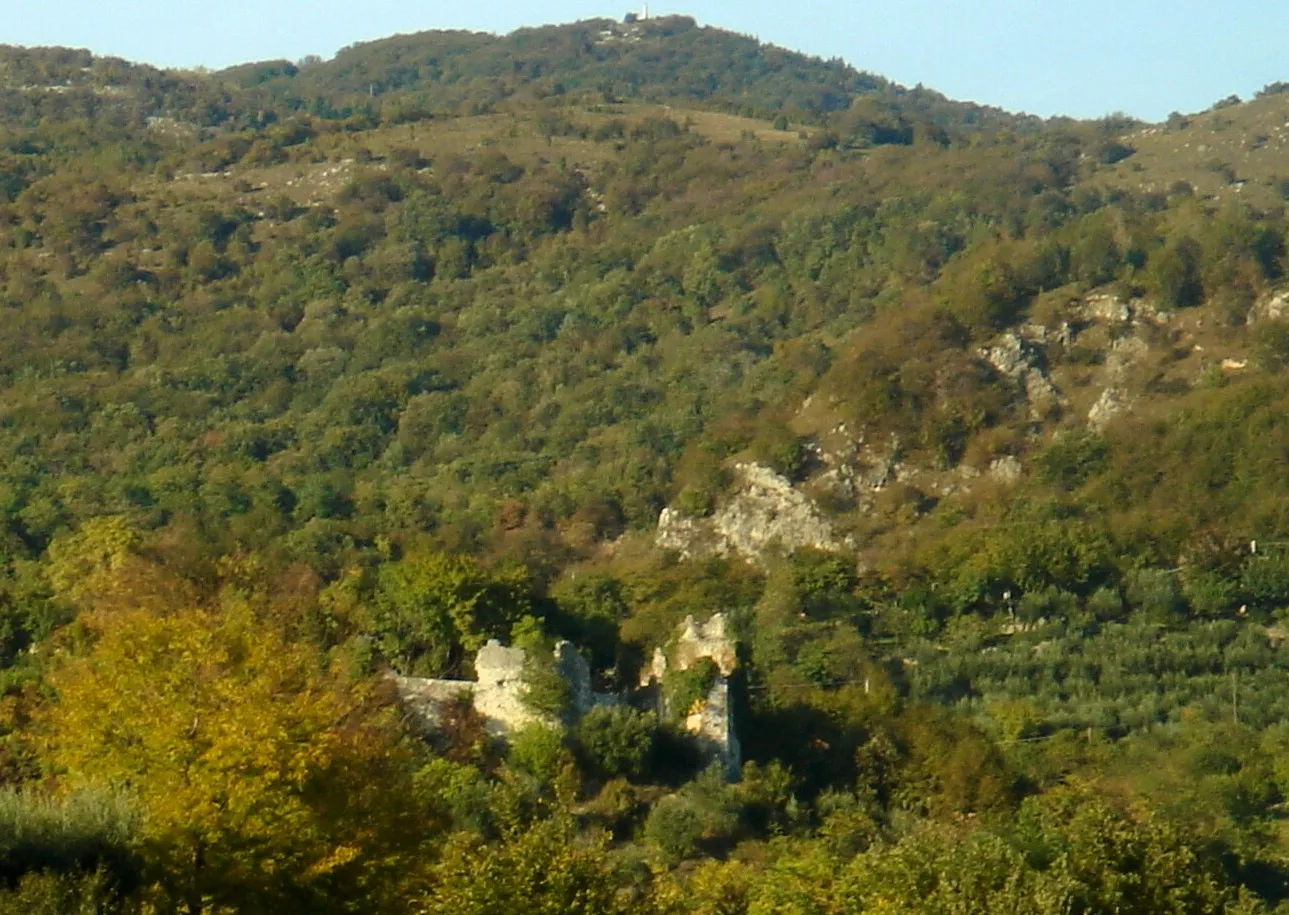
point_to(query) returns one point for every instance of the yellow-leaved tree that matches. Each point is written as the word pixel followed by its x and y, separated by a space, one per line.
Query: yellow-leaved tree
pixel 266 780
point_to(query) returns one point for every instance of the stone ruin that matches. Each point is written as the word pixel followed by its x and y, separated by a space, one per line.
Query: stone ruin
pixel 497 692
pixel 712 721
pixel 498 689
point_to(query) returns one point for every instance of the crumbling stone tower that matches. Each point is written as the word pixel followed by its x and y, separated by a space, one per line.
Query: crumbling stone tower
pixel 710 720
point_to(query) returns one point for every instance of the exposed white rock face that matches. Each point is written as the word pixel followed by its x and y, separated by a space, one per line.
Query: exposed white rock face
pixel 1011 355
pixel 1110 309
pixel 1271 307
pixel 858 469
pixel 1018 358
pixel 1006 469
pixel 1124 352
pixel 765 512
pixel 1042 396
pixel 678 532
pixel 1109 405
pixel 1106 308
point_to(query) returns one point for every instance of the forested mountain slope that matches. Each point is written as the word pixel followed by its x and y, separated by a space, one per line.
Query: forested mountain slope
pixel 972 423
pixel 670 59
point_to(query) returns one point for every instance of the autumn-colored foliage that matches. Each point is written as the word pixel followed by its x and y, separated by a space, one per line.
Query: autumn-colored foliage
pixel 262 777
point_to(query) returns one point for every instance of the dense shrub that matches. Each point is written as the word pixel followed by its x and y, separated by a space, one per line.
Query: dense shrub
pixel 617 741
pixel 674 827
pixel 541 752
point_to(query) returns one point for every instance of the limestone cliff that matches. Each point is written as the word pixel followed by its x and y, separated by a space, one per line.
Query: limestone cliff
pixel 764 513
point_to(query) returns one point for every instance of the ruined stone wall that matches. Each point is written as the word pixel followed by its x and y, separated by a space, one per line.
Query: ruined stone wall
pixel 713 726
pixel 713 722
pixel 498 690
pixel 426 699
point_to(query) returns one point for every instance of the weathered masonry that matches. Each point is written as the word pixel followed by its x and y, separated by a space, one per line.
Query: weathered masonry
pixel 497 692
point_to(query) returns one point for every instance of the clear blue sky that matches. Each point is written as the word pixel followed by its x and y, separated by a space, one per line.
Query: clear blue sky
pixel 1145 57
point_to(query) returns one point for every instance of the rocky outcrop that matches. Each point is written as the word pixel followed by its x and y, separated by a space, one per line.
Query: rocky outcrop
pixel 1006 469
pixel 1271 307
pixel 1108 309
pixel 1012 355
pixel 1124 354
pixel 764 513
pixel 1110 404
pixel 1062 335
pixel 1016 357
pixel 1104 308
pixel 681 533
pixel 856 469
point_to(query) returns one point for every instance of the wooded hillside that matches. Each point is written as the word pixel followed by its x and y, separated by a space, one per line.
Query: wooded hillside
pixel 316 372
